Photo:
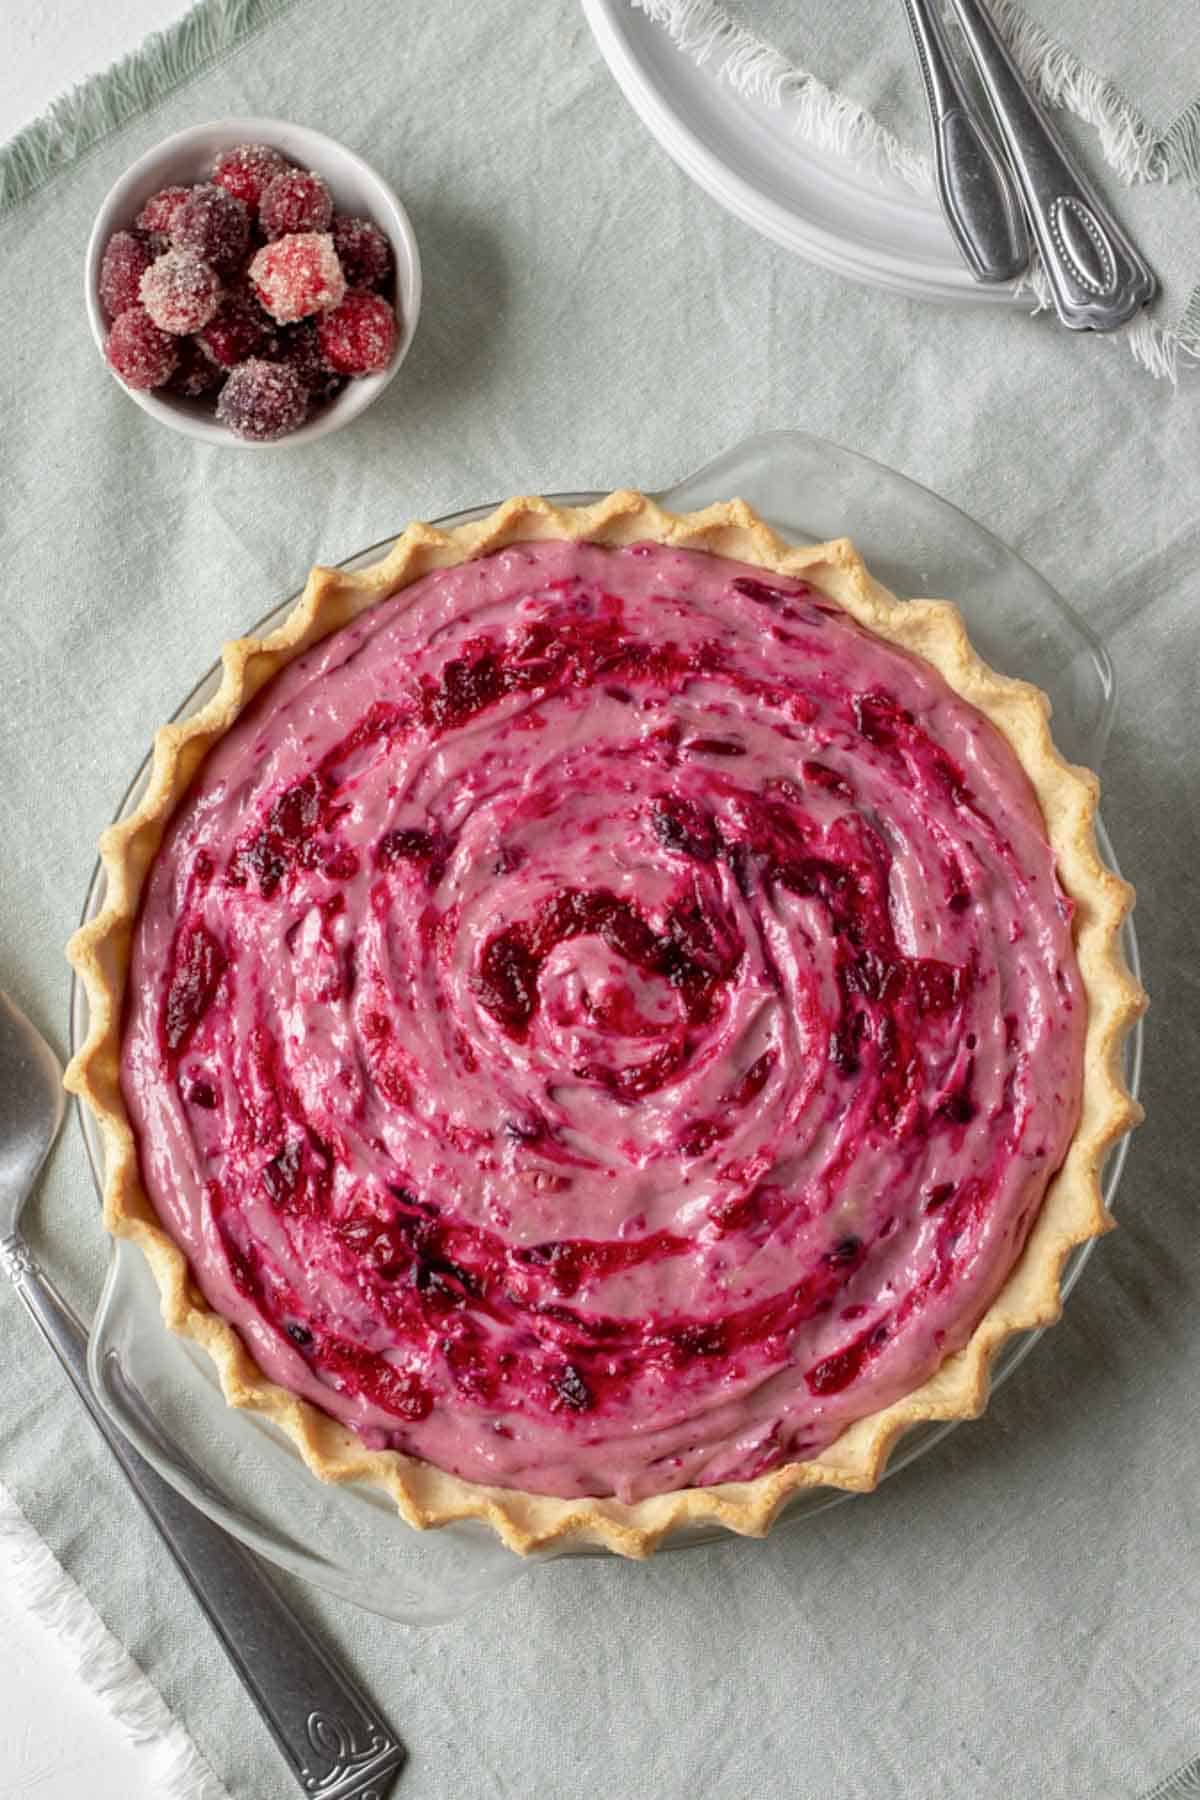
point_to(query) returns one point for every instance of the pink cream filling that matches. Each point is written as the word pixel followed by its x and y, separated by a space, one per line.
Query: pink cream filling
pixel 603 1021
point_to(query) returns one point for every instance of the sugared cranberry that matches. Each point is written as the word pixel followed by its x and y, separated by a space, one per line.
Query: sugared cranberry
pixel 245 171
pixel 297 276
pixel 213 226
pixel 195 374
pixel 295 200
pixel 141 354
pixel 363 251
pixel 126 259
pixel 300 347
pixel 359 336
pixel 262 401
pixel 158 214
pixel 236 330
pixel 180 292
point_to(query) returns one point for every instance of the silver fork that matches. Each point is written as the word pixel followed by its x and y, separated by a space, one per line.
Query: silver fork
pixel 336 1744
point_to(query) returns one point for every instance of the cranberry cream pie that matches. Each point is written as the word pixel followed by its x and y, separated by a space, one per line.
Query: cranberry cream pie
pixel 606 1019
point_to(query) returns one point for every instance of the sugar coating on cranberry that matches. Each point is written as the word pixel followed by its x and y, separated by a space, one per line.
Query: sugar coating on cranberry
pixel 141 354
pixel 363 251
pixel 212 225
pixel 158 214
pixel 262 400
pixel 298 275
pixel 235 276
pixel 195 373
pixel 295 200
pixel 180 291
pixel 126 259
pixel 300 347
pixel 245 171
pixel 236 330
pixel 359 336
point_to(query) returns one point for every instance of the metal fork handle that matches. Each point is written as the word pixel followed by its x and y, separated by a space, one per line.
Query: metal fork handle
pixel 336 1744
pixel 976 193
pixel 1098 278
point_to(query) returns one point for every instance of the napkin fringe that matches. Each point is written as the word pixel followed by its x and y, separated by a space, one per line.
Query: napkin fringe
pixel 1158 348
pixel 86 115
pixel 1128 145
pixel 1134 150
pixel 30 1571
pixel 704 31
pixel 1184 1784
pixel 1181 145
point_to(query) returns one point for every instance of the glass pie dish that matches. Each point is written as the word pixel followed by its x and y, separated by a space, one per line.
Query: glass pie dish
pixel 237 1466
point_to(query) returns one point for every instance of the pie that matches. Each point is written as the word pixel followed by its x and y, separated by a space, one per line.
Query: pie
pixel 606 1019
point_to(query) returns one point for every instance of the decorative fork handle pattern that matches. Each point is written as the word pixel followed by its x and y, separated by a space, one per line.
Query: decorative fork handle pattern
pixel 973 184
pixel 1097 277
pixel 335 1743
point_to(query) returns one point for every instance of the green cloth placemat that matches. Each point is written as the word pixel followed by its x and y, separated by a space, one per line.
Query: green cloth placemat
pixel 1014 1616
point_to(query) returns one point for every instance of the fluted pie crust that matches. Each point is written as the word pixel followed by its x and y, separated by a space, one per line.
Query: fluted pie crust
pixel 1072 1211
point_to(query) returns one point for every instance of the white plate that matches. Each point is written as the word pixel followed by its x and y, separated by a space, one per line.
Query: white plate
pixel 747 156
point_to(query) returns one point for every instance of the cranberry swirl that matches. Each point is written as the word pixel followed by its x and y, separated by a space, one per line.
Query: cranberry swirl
pixel 604 1021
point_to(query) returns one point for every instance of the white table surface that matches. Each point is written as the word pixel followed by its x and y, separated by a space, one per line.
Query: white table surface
pixel 56 1740
pixel 48 46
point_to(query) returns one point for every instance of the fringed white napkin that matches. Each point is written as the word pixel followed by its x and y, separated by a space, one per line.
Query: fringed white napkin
pixel 30 1573
pixel 1124 82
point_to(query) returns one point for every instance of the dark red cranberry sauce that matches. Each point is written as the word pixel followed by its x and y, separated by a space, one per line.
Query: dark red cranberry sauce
pixel 604 1021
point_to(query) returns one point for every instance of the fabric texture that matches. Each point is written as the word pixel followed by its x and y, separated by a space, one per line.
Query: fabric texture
pixel 1122 82
pixel 1014 1614
pixel 37 1580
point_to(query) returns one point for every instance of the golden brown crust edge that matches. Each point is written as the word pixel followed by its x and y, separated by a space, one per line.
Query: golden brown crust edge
pixel 1072 1211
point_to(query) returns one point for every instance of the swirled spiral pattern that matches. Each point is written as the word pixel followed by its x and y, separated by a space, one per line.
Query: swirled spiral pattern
pixel 603 1021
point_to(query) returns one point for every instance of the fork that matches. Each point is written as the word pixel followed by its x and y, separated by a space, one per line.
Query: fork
pixel 336 1744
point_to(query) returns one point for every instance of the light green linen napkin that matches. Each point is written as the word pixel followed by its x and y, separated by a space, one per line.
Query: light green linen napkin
pixel 1013 1616
pixel 1124 82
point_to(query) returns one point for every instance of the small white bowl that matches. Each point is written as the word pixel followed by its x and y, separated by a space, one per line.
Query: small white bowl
pixel 188 157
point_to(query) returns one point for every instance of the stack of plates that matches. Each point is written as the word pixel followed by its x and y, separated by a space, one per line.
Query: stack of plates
pixel 747 155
